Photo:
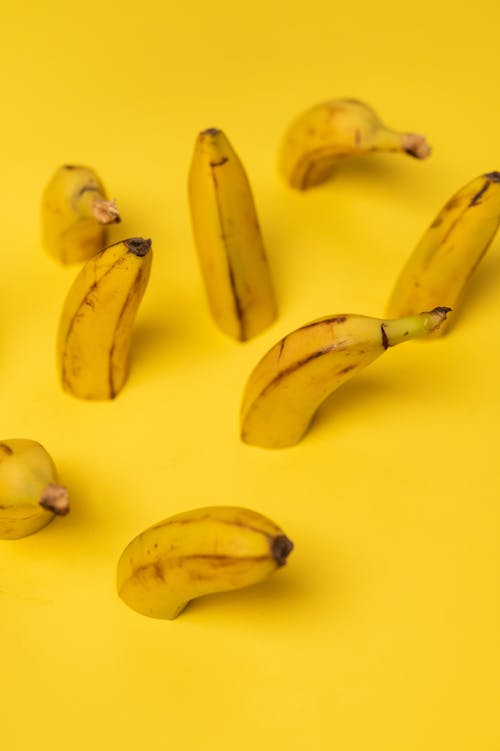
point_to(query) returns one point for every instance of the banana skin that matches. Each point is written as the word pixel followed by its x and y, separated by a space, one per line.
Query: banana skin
pixel 329 131
pixel 195 553
pixel 75 213
pixel 30 496
pixel 449 251
pixel 96 323
pixel 228 239
pixel 290 382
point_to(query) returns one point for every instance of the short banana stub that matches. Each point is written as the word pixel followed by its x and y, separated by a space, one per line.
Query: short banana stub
pixel 292 380
pixel 97 320
pixel 195 553
pixel 228 239
pixel 450 250
pixel 30 496
pixel 75 214
pixel 327 132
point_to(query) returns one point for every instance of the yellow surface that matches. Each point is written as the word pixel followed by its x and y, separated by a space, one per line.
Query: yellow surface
pixel 382 633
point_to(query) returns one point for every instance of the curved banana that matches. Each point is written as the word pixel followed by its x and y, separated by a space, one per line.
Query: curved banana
pixel 29 494
pixel 291 381
pixel 332 130
pixel 451 248
pixel 212 549
pixel 228 239
pixel 97 318
pixel 75 212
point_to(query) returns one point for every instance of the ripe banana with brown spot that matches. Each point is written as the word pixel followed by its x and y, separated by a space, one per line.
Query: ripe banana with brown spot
pixel 75 214
pixel 96 323
pixel 327 132
pixel 288 385
pixel 450 250
pixel 29 494
pixel 228 240
pixel 195 553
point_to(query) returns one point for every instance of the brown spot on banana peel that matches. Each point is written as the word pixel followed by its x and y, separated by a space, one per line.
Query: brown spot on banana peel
pixel 345 370
pixel 385 338
pixel 218 561
pixel 298 364
pixel 475 200
pixel 220 162
pixel 6 449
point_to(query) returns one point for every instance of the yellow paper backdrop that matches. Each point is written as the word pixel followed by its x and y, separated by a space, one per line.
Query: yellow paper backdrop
pixel 382 633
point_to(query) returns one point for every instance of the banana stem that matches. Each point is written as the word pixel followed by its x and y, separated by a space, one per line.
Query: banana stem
pixel 412 327
pixel 92 204
pixel 55 498
pixel 413 144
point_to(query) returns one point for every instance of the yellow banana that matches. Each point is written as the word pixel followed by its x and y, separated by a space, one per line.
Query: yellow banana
pixel 75 212
pixel 228 239
pixel 451 248
pixel 96 323
pixel 329 131
pixel 29 494
pixel 291 381
pixel 212 549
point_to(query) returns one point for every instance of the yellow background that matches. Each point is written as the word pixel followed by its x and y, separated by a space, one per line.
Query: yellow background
pixel 382 633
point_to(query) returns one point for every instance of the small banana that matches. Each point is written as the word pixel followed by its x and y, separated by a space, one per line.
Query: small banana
pixel 329 131
pixel 291 381
pixel 212 549
pixel 29 494
pixel 228 239
pixel 75 212
pixel 451 248
pixel 97 318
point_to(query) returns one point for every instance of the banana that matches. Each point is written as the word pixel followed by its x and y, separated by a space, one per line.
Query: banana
pixel 228 240
pixel 291 381
pixel 29 494
pixel 96 322
pixel 75 212
pixel 212 549
pixel 329 131
pixel 451 248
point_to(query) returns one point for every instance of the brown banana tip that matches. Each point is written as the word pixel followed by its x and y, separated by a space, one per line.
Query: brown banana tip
pixel 55 499
pixel 210 132
pixel 281 547
pixel 493 176
pixel 415 145
pixel 106 212
pixel 138 246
